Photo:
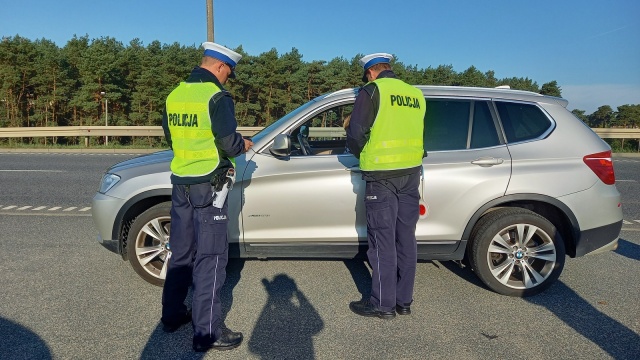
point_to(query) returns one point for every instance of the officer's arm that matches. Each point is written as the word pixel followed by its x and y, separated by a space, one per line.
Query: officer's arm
pixel 224 125
pixel 165 128
pixel 362 118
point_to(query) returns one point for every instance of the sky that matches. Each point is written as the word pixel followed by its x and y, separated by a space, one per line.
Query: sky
pixel 590 47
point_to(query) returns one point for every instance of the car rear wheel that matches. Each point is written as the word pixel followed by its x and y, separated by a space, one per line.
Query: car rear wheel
pixel 516 252
pixel 148 243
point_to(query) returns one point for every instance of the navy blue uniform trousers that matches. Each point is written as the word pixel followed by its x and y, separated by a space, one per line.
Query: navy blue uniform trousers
pixel 392 207
pixel 199 255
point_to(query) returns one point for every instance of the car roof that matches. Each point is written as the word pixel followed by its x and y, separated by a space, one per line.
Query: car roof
pixel 465 91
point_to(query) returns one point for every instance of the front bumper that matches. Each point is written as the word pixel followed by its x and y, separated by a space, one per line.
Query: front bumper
pixel 111 245
pixel 104 209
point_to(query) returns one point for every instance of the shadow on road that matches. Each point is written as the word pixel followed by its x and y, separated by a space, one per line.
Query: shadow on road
pixel 361 275
pixel 628 249
pixel 607 333
pixel 610 335
pixel 287 323
pixel 178 344
pixel 18 342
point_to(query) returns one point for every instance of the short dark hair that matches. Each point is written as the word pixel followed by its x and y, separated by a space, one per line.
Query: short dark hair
pixel 381 67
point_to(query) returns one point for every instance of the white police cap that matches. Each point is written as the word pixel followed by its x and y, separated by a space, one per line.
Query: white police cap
pixel 368 61
pixel 223 54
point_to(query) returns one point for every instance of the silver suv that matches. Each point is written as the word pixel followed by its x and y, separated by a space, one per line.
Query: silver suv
pixel 512 184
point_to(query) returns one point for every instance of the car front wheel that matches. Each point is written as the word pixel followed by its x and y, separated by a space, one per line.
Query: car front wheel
pixel 516 252
pixel 148 243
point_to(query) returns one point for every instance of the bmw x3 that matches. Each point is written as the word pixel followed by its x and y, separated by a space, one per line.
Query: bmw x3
pixel 512 184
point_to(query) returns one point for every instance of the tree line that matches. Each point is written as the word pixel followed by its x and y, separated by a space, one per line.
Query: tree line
pixel 42 84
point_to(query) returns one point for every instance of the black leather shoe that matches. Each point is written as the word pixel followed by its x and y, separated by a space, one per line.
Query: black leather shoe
pixel 173 326
pixel 366 308
pixel 403 310
pixel 227 341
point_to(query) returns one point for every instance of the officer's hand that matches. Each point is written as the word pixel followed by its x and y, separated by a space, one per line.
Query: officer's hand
pixel 247 144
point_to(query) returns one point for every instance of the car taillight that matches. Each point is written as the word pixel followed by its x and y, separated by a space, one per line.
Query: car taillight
pixel 601 164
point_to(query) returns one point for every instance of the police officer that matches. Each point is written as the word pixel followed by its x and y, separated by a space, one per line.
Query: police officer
pixel 386 134
pixel 200 126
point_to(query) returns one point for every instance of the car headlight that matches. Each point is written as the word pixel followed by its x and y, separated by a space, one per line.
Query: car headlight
pixel 108 181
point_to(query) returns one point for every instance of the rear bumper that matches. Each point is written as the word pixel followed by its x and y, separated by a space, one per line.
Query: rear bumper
pixel 600 239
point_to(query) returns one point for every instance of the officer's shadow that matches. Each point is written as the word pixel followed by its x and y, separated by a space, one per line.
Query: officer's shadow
pixel 287 324
pixel 177 345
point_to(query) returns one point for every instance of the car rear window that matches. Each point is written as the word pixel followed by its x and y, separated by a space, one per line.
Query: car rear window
pixel 447 124
pixel 522 122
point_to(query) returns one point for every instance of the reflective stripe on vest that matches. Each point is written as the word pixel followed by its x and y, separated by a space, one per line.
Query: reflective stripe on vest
pixel 396 139
pixel 194 150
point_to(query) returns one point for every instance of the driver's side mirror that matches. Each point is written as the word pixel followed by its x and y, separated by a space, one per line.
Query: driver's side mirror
pixel 281 146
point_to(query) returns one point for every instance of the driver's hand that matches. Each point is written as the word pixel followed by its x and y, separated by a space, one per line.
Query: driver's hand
pixel 247 145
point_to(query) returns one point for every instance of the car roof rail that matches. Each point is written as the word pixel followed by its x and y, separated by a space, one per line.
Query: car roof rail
pixel 503 87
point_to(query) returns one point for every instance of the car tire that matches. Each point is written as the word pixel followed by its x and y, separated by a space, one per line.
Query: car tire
pixel 516 252
pixel 148 243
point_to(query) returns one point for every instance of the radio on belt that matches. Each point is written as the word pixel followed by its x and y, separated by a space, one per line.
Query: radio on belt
pixel 222 188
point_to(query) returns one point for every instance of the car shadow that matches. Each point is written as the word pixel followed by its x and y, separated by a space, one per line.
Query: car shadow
pixel 628 249
pixel 177 345
pixel 610 335
pixel 18 342
pixel 607 333
pixel 464 272
pixel 287 324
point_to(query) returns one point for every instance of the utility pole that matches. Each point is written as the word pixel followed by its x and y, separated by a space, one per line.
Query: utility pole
pixel 210 20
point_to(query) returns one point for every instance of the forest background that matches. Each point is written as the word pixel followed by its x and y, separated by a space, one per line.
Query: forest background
pixel 44 85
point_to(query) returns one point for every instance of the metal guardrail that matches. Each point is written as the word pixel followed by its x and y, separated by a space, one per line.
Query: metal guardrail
pixel 613 133
pixel 85 131
pixel 13 132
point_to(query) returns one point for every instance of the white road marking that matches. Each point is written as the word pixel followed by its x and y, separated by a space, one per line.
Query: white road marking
pixel 32 208
pixel 638 221
pixel 627 222
pixel 626 181
pixel 32 171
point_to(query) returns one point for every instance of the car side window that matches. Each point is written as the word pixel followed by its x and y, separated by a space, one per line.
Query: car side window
pixel 522 122
pixel 483 130
pixel 447 124
pixel 322 134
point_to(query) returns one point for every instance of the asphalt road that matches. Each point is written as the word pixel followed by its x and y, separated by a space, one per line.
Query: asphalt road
pixel 63 296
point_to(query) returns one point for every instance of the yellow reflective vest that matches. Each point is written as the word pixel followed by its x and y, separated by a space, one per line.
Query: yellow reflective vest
pixel 194 150
pixel 396 139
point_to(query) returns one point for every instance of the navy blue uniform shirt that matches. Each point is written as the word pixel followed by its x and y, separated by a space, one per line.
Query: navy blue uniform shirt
pixel 223 126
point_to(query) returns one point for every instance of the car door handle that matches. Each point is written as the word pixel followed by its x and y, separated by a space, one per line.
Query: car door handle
pixel 487 161
pixel 355 169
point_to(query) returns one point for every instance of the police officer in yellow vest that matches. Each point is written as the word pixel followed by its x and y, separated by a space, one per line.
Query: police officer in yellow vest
pixel 200 126
pixel 386 134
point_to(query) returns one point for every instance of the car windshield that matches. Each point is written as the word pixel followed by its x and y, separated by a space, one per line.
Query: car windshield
pixel 267 130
